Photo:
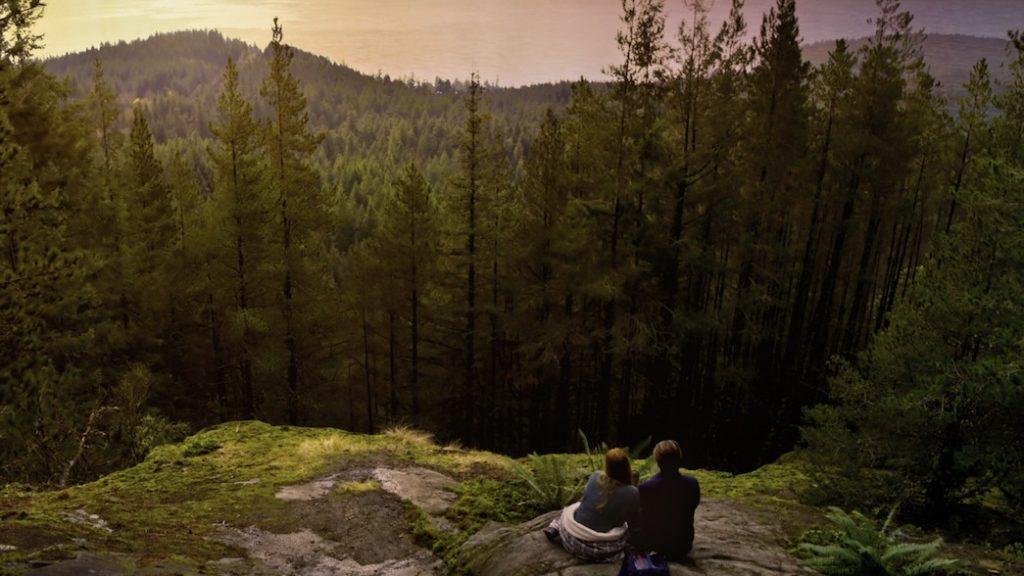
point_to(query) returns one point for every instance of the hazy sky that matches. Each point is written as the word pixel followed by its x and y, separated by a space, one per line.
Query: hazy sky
pixel 512 41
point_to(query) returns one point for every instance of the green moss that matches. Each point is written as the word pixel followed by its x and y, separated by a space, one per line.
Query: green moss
pixel 488 499
pixel 444 544
pixel 168 503
pixel 356 487
pixel 781 481
pixel 200 446
pixel 171 503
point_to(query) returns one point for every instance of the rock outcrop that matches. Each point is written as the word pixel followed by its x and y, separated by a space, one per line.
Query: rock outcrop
pixel 731 541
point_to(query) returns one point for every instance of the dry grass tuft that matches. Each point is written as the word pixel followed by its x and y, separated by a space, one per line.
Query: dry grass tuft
pixel 410 436
pixel 317 449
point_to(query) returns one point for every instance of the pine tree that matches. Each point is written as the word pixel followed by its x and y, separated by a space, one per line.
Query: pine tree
pixel 241 218
pixel 974 129
pixel 408 237
pixel 17 41
pixel 641 42
pixel 934 400
pixel 886 140
pixel 47 385
pixel 1010 124
pixel 301 218
pixel 547 292
pixel 776 136
pixel 149 236
pixel 104 104
pixel 831 91
pixel 466 208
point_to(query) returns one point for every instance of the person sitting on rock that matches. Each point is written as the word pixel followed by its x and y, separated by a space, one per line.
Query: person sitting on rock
pixel 596 528
pixel 668 502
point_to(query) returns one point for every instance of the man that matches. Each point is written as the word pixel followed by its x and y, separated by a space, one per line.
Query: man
pixel 667 504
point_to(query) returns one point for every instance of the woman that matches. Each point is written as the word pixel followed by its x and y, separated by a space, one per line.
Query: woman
pixel 596 527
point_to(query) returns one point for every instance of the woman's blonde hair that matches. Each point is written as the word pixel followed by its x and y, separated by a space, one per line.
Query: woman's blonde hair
pixel 617 472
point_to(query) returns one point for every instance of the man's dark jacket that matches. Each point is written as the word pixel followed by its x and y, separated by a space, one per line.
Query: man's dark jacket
pixel 667 504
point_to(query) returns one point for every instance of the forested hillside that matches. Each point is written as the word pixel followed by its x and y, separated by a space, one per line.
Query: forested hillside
pixel 950 58
pixel 370 124
pixel 702 247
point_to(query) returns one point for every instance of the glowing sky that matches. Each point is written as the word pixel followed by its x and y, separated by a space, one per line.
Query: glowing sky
pixel 511 41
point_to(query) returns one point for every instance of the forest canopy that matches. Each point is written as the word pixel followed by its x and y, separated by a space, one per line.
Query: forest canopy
pixel 722 243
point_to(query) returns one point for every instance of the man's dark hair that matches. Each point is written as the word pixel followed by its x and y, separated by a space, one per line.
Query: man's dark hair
pixel 668 455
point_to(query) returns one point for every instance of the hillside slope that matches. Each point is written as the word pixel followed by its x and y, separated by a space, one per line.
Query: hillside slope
pixel 950 58
pixel 372 125
pixel 179 76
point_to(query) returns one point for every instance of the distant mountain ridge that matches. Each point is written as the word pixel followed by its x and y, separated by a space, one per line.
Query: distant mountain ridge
pixel 372 124
pixel 180 75
pixel 950 58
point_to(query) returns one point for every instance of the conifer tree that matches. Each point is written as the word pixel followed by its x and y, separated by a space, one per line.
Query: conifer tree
pixel 465 208
pixel 934 399
pixel 149 199
pixel 47 378
pixel 547 291
pixel 104 104
pixel 241 218
pixel 777 136
pixel 408 240
pixel 886 142
pixel 1010 124
pixel 974 129
pixel 641 43
pixel 831 93
pixel 301 219
pixel 149 236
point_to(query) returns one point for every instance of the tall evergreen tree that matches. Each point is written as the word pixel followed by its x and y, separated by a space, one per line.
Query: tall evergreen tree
pixel 408 243
pixel 47 374
pixel 465 218
pixel 241 220
pixel 301 220
pixel 973 124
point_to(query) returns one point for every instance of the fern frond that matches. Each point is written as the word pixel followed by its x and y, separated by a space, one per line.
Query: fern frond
pixel 933 566
pixel 911 552
pixel 863 549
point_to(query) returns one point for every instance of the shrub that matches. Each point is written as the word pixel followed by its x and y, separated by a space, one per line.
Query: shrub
pixel 154 430
pixel 200 446
pixel 862 549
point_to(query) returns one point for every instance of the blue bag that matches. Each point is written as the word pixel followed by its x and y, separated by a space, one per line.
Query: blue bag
pixel 635 564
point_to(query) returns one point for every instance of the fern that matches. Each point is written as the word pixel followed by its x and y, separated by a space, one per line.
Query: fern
pixel 642 466
pixel 864 550
pixel 554 482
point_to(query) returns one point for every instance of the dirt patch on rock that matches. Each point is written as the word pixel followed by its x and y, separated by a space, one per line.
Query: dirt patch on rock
pixel 305 553
pixel 431 491
pixel 27 537
pixel 370 524
pixel 83 563
pixel 310 490
pixel 351 522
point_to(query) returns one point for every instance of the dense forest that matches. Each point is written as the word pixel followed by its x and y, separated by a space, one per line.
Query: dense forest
pixel 707 245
